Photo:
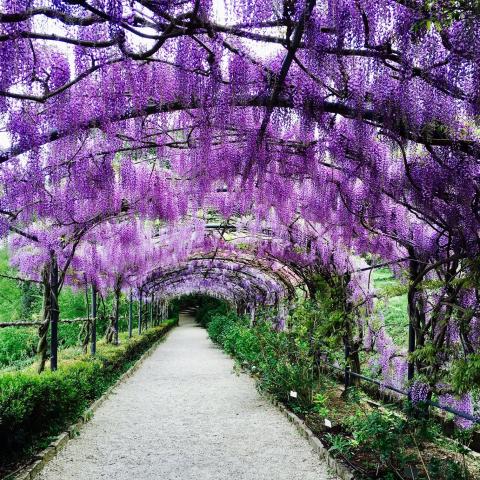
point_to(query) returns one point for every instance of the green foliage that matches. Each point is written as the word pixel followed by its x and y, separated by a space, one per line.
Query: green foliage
pixel 17 345
pixel 10 291
pixel 208 307
pixel 320 405
pixel 383 441
pixel 379 432
pixel 34 406
pixel 427 354
pixel 31 299
pixel 465 373
pixel 339 445
pixel 205 307
pixel 222 326
pixel 21 300
pixel 441 14
pixel 72 303
pixel 281 360
pixel 446 469
pixel 393 304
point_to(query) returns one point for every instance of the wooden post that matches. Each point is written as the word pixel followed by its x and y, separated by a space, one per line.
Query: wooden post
pixel 54 312
pixel 130 314
pixel 152 300
pixel 347 364
pixel 145 312
pixel 412 311
pixel 411 349
pixel 117 313
pixel 140 307
pixel 93 346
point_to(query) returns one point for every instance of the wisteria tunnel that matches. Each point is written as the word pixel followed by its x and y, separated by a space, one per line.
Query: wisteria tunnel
pixel 296 181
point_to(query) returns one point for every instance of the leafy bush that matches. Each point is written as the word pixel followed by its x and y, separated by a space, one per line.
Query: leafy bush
pixel 220 327
pixel 17 345
pixel 445 468
pixel 35 406
pixel 208 307
pixel 380 432
pixel 281 361
pixel 465 373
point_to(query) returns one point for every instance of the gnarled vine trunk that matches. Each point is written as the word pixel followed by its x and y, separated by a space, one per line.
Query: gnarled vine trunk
pixel 111 335
pixel 42 347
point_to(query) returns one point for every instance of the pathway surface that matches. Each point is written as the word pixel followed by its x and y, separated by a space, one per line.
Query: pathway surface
pixel 185 415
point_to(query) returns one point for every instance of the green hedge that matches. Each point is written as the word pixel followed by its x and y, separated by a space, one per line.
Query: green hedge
pixel 34 407
pixel 281 360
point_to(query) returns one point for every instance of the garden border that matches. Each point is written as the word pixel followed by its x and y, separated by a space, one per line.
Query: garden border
pixel 45 456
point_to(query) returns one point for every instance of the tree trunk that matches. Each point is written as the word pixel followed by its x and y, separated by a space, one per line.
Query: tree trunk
pixel 130 314
pixel 86 326
pixel 54 311
pixel 112 331
pixel 42 346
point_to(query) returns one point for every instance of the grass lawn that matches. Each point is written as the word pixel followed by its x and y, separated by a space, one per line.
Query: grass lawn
pixel 392 304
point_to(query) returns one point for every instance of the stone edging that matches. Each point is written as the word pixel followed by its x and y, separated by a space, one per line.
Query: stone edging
pixel 341 470
pixel 42 458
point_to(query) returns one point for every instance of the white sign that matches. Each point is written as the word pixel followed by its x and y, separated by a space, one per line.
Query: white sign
pixel 293 394
pixel 328 423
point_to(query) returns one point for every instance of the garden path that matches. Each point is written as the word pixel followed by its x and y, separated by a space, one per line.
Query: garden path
pixel 185 415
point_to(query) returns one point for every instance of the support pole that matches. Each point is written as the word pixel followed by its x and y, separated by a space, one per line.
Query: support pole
pixel 152 300
pixel 140 307
pixel 93 346
pixel 411 349
pixel 155 312
pixel 117 313
pixel 414 270
pixel 347 364
pixel 130 314
pixel 145 313
pixel 54 312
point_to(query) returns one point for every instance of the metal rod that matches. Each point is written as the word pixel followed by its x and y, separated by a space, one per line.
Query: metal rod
pixel 37 324
pixel 432 403
pixel 117 312
pixel 151 309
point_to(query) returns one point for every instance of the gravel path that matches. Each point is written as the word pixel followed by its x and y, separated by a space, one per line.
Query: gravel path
pixel 185 415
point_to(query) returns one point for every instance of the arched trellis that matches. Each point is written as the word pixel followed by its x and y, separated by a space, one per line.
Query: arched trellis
pixel 227 293
pixel 245 287
pixel 388 91
pixel 244 279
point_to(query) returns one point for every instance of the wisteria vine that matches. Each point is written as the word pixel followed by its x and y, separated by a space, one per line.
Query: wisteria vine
pixel 243 150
